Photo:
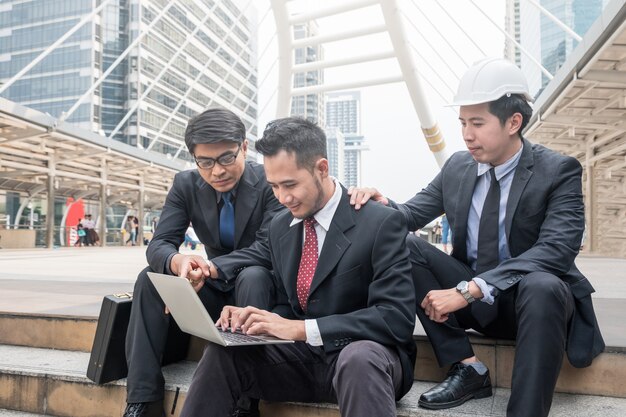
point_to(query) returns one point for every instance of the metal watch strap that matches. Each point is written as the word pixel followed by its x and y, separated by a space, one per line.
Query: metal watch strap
pixel 468 297
pixel 463 288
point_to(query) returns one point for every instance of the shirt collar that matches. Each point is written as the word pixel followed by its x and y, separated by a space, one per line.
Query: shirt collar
pixel 502 169
pixel 233 193
pixel 325 215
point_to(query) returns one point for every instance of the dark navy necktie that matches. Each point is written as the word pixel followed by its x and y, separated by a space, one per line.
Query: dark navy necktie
pixel 488 229
pixel 227 222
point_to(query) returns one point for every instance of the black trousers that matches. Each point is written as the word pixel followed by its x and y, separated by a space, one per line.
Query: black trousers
pixel 364 378
pixel 535 313
pixel 148 327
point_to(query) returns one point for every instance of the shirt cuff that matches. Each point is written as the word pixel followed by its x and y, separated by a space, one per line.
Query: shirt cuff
pixel 313 336
pixel 486 290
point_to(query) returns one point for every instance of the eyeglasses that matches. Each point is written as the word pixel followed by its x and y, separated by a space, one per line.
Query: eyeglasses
pixel 223 160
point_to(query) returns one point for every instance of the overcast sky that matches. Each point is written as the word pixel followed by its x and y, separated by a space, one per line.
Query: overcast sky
pixel 399 162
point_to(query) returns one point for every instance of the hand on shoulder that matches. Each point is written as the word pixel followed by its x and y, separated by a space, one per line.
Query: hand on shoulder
pixel 361 195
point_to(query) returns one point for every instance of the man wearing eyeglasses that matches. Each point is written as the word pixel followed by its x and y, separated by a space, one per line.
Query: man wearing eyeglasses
pixel 230 204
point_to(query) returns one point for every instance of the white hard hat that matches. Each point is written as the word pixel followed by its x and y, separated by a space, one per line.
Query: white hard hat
pixel 488 80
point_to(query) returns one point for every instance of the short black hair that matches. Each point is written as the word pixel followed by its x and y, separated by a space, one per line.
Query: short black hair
pixel 509 104
pixel 295 135
pixel 212 126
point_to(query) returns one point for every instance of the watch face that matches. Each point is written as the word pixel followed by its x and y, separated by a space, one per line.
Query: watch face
pixel 462 286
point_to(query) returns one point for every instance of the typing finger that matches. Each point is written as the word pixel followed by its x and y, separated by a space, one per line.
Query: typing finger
pixel 225 317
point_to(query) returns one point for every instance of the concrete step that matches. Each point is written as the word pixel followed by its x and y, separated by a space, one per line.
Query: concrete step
pixel 52 382
pixel 604 377
pixel 47 331
pixel 13 413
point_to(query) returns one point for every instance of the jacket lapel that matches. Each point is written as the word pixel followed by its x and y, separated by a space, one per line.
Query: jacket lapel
pixel 335 243
pixel 247 197
pixel 520 179
pixel 290 251
pixel 208 205
pixel 465 192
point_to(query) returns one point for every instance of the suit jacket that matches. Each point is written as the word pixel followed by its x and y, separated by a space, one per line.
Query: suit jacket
pixel 544 224
pixel 192 199
pixel 362 288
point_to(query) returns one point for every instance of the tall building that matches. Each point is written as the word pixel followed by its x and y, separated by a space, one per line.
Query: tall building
pixel 512 27
pixel 343 111
pixel 543 38
pixel 354 147
pixel 335 146
pixel 183 57
pixel 309 106
pixel 556 46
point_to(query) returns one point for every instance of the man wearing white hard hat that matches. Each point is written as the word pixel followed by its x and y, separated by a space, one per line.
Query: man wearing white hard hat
pixel 517 215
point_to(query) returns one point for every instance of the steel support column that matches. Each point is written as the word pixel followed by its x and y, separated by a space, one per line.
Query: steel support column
pixel 50 209
pixel 590 200
pixel 397 33
pixel 285 57
pixel 102 229
pixel 140 202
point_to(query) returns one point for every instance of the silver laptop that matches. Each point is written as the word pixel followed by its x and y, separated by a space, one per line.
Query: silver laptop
pixel 191 316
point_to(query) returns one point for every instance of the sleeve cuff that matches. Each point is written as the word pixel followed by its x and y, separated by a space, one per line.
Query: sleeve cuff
pixel 313 336
pixel 486 289
pixel 168 261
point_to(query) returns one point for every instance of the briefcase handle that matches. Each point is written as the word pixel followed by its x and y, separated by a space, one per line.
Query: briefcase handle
pixel 123 295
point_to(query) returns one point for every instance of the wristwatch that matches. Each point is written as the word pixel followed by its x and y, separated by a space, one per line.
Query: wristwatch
pixel 463 288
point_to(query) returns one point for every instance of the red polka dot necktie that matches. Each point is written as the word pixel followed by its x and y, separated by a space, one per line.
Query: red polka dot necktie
pixel 308 262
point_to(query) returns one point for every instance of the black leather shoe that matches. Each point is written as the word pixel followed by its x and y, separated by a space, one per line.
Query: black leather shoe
pixel 151 409
pixel 463 383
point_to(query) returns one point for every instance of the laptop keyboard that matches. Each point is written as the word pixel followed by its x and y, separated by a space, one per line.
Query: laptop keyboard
pixel 239 337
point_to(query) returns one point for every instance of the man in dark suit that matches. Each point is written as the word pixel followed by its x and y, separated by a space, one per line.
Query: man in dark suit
pixel 346 280
pixel 517 215
pixel 230 205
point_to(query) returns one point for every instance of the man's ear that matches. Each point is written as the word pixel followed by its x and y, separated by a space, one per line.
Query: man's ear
pixel 515 123
pixel 322 166
pixel 244 147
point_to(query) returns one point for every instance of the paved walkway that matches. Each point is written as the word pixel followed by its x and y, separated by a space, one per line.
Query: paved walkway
pixel 72 281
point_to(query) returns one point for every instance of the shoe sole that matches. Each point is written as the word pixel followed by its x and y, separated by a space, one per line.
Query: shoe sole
pixel 481 393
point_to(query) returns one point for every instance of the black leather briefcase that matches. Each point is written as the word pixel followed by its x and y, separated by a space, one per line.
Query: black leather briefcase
pixel 108 354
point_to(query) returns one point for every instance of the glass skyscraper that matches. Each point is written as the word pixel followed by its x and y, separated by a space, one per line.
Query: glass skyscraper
pixel 579 15
pixel 343 111
pixel 335 148
pixel 309 106
pixel 186 56
pixel 544 39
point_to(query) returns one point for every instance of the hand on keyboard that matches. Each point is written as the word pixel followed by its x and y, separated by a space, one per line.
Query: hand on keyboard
pixel 254 321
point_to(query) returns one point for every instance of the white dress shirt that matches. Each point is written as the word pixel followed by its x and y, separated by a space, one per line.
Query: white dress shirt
pixel 323 218
pixel 504 174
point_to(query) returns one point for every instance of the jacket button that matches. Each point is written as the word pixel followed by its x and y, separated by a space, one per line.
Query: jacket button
pixel 510 281
pixel 336 343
